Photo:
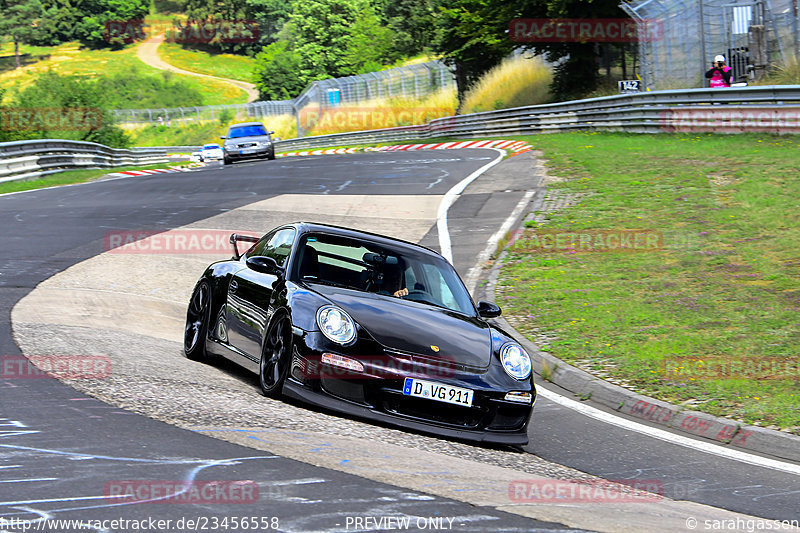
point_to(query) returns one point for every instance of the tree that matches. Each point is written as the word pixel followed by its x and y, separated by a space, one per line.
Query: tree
pixel 57 24
pixel 20 19
pixel 322 31
pixel 97 16
pixel 472 36
pixel 276 72
pixel 576 71
pixel 270 15
pixel 411 23
pixel 370 45
pixel 219 15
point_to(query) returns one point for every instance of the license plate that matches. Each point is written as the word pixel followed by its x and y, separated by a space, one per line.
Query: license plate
pixel 437 391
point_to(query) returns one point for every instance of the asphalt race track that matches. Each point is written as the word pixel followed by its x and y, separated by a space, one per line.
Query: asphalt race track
pixel 59 449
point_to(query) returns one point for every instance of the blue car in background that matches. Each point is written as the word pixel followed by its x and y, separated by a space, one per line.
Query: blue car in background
pixel 247 140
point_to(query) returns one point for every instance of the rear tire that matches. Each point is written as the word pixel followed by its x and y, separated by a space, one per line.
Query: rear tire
pixel 196 330
pixel 275 357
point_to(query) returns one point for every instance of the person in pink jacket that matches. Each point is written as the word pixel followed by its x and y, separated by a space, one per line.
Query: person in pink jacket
pixel 719 74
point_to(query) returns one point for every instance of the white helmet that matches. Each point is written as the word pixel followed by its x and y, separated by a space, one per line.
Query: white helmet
pixel 717 59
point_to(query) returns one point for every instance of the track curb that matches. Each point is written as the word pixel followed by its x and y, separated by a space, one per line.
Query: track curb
pixel 585 386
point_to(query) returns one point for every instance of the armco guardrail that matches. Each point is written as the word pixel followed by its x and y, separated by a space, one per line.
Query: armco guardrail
pixel 769 108
pixel 774 109
pixel 21 160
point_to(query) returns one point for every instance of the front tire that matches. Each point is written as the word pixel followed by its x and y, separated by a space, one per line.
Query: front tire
pixel 275 357
pixel 196 330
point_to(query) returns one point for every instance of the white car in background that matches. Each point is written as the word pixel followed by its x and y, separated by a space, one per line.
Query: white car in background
pixel 211 152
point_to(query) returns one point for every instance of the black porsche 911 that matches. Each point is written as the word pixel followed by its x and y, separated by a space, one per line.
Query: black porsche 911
pixel 367 325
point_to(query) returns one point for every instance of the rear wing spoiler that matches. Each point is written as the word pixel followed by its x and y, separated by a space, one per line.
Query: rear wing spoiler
pixel 236 238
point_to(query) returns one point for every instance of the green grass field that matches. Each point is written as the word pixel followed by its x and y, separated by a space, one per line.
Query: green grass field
pixel 221 65
pixel 724 287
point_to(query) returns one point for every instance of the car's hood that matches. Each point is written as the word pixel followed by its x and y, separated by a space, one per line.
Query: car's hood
pixel 417 328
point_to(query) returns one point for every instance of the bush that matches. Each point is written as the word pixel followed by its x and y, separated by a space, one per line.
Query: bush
pixel 517 81
pixel 83 102
pixel 133 90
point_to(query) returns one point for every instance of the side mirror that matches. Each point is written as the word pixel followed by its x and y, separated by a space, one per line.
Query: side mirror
pixel 487 310
pixel 270 133
pixel 264 264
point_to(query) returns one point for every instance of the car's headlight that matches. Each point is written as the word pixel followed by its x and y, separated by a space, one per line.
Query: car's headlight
pixel 336 324
pixel 265 143
pixel 516 362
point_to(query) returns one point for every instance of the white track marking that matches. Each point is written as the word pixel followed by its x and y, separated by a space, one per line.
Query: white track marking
pixel 450 197
pixel 472 276
pixel 667 436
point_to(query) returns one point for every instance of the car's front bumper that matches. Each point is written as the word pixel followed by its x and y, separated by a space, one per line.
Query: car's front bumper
pixel 377 394
pixel 260 153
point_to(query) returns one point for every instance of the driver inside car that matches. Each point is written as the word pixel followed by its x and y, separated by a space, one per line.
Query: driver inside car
pixel 392 281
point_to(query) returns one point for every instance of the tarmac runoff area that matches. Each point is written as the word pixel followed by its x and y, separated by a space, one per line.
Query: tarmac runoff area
pixel 130 307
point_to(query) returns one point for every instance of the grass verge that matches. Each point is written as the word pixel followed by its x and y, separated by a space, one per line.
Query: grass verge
pixel 231 66
pixel 68 177
pixel 709 318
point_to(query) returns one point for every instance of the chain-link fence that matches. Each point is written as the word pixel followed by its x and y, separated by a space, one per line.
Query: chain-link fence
pixel 751 34
pixel 169 116
pixel 411 81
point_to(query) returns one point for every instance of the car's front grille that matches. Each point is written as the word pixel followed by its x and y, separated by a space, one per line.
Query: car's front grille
pixel 431 411
pixel 346 389
pixel 246 145
pixel 509 417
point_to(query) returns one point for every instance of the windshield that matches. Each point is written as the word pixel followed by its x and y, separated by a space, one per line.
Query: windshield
pixel 247 131
pixel 211 147
pixel 365 266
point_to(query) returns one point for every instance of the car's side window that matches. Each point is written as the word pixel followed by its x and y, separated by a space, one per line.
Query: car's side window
pixel 258 248
pixel 279 246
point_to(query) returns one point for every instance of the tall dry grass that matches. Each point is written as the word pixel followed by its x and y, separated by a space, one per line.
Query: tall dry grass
pixel 517 81
pixel 788 74
pixel 378 113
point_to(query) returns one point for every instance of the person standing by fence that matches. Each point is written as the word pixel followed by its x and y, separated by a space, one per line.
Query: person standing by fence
pixel 719 74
